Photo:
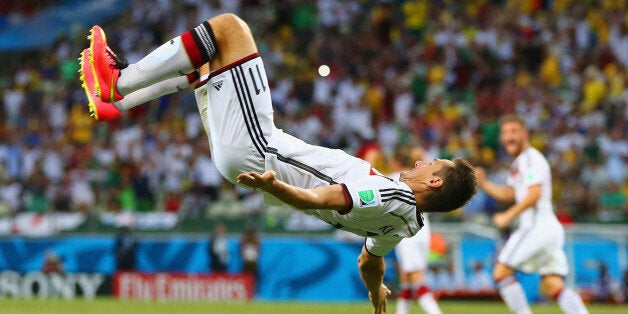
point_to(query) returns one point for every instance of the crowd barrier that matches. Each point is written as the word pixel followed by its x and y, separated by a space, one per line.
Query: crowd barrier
pixel 294 267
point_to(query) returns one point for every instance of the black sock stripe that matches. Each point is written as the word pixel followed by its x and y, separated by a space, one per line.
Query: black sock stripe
pixel 212 39
pixel 199 43
pixel 302 166
pixel 250 99
pixel 205 41
pixel 246 122
pixel 203 34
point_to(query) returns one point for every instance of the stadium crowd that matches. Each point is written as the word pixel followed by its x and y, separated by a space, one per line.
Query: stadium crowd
pixel 435 74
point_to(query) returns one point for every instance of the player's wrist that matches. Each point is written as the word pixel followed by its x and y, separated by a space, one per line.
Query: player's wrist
pixel 270 185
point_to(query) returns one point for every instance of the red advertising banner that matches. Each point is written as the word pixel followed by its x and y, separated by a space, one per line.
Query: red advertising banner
pixel 182 287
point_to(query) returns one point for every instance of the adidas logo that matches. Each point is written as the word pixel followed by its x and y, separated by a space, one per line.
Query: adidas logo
pixel 218 84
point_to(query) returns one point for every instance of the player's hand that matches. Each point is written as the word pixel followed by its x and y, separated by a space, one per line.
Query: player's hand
pixel 256 180
pixel 480 174
pixel 502 220
pixel 378 299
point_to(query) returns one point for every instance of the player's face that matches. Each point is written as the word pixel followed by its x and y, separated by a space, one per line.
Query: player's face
pixel 514 137
pixel 424 170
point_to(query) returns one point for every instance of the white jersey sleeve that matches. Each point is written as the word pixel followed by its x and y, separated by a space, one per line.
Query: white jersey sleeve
pixel 532 173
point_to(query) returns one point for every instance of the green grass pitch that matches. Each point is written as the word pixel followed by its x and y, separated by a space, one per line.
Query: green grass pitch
pixel 113 306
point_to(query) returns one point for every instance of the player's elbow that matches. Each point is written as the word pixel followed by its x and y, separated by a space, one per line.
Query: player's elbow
pixel 369 263
pixel 317 201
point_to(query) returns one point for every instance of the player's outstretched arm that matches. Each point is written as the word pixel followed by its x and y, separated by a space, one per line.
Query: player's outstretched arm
pixel 372 270
pixel 327 197
pixel 503 219
pixel 499 192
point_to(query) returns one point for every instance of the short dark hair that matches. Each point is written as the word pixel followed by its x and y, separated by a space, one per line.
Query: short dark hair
pixel 459 184
pixel 513 118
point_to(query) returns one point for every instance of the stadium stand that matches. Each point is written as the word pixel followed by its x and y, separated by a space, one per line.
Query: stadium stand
pixel 403 73
pixel 435 74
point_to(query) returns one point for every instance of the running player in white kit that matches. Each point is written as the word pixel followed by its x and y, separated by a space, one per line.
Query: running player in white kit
pixel 537 243
pixel 248 149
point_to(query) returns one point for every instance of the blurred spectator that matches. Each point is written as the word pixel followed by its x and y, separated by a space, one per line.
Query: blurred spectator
pixel 612 203
pixel 14 99
pixel 205 176
pixel 126 195
pixel 125 247
pixel 52 263
pixel 563 214
pixel 172 203
pixel 62 194
pixel 614 147
pixel 480 281
pixel 624 286
pixel 83 198
pixel 11 194
pixel 144 192
pixel 595 176
pixel 250 252
pixel 445 279
pixel 606 289
pixel 227 205
pixel 218 249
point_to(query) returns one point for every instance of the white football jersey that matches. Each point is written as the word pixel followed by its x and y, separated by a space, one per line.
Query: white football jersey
pixel 383 210
pixel 528 169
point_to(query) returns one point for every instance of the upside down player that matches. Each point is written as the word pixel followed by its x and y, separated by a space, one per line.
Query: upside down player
pixel 248 149
pixel 537 244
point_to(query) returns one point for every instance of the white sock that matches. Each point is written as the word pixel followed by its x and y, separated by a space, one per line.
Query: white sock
pixel 167 61
pixel 570 302
pixel 403 306
pixel 428 304
pixel 513 295
pixel 151 92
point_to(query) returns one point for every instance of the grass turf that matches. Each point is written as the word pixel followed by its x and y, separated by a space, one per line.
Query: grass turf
pixel 112 306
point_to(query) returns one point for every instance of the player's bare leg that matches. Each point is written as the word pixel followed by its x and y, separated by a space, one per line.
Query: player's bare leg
pixel 569 301
pixel 413 287
pixel 510 289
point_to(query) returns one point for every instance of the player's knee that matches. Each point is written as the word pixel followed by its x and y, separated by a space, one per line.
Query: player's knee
pixel 229 25
pixel 551 285
pixel 233 38
pixel 500 272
